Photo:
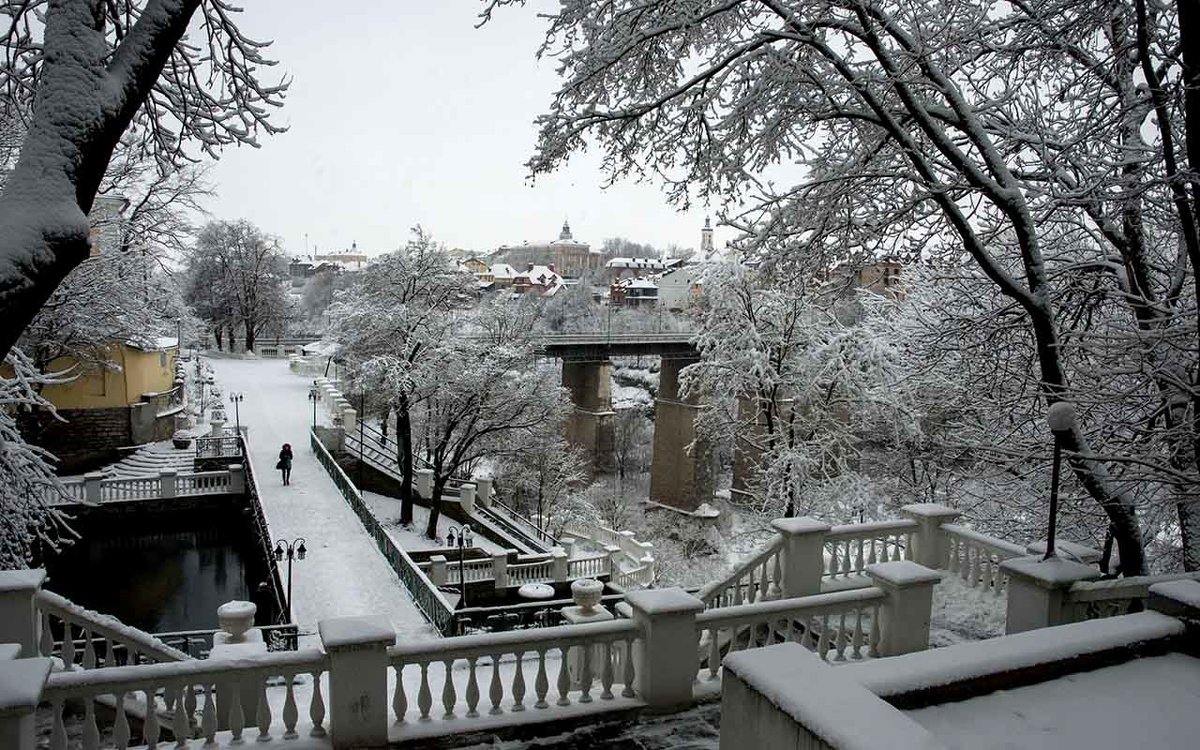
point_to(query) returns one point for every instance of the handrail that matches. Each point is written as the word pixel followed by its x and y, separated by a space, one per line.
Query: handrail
pixel 996 545
pixel 94 625
pixel 715 589
pixel 486 644
pixel 871 528
pixel 744 614
pixel 1134 587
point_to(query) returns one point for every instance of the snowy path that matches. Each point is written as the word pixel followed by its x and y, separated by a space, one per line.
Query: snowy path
pixel 343 574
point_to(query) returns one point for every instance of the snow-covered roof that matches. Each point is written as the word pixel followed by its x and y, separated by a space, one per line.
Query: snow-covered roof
pixel 154 343
pixel 541 276
pixel 502 271
pixel 653 264
pixel 638 282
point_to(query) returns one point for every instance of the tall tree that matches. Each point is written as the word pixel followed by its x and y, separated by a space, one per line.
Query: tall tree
pixel 88 71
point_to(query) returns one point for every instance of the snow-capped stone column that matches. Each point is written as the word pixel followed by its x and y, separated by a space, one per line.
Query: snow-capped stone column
pixel 1037 591
pixel 167 482
pixel 349 419
pixel 424 482
pixel 237 479
pixel 666 657
pixel 358 667
pixel 933 549
pixel 905 615
pixel 559 564
pixel 500 569
pixel 1178 599
pixel 681 471
pixel 803 554
pixel 483 492
pixel 21 683
pixel 91 487
pixel 437 570
pixel 466 498
pixel 613 552
pixel 18 615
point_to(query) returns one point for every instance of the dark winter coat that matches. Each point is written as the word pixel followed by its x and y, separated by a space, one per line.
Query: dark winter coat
pixel 285 459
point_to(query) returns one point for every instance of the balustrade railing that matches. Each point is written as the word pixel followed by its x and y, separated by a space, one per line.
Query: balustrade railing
pixel 203 483
pixel 191 699
pixel 534 572
pixel 89 640
pixel 124 489
pixel 753 580
pixel 513 669
pixel 588 567
pixel 837 626
pixel 849 549
pixel 1092 600
pixel 976 557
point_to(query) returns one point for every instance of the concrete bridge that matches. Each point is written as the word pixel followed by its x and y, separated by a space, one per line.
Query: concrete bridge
pixel 678 478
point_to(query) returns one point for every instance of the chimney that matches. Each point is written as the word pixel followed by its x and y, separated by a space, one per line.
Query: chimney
pixel 528 266
pixel 551 267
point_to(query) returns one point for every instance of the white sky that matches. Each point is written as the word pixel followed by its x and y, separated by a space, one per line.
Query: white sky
pixel 402 112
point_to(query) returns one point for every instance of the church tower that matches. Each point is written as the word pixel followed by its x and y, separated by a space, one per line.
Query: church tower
pixel 706 240
pixel 565 234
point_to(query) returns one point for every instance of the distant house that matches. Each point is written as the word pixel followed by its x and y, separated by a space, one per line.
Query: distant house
pixel 476 266
pixel 351 259
pixel 541 281
pixel 106 408
pixel 567 254
pixel 678 287
pixel 636 292
pixel 619 268
pixel 501 273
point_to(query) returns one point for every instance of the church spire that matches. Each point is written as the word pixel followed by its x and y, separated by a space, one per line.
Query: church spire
pixel 706 239
pixel 565 234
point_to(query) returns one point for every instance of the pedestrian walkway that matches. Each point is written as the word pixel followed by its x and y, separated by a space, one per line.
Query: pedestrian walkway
pixel 343 573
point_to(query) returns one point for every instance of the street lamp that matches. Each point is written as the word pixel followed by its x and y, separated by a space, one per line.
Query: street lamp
pixel 293 549
pixel 1061 416
pixel 313 397
pixel 235 399
pixel 462 538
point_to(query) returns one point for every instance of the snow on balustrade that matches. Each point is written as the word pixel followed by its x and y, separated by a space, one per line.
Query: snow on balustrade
pixel 850 548
pixel 1090 600
pixel 516 667
pixel 192 697
pixel 977 557
pixel 755 579
pixel 103 641
pixel 837 626
pixel 587 567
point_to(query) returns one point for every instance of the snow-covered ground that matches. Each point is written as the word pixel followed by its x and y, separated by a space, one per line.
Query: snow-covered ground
pixel 343 574
pixel 387 510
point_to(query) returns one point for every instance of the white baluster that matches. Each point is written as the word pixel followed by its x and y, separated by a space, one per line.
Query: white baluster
pixel 181 721
pixel 121 733
pixel 858 558
pixel 606 676
pixel 424 696
pixel 541 685
pixel 58 730
pixel 873 643
pixel 263 712
pixel 833 560
pixel 89 650
pixel 714 652
pixel 846 559
pixel 585 676
pixel 840 645
pixel 448 696
pixel 518 685
pixel 150 729
pixel 91 732
pixel 823 643
pixel 208 717
pixel 908 547
pixel 856 648
pixel 316 708
pixel 627 690
pixel 68 647
pixel 399 699
pixel 496 689
pixel 46 641
pixel 564 678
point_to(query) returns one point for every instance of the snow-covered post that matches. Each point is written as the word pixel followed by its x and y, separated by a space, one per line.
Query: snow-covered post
pixel 568 547
pixel 933 548
pixel 358 667
pixel 237 479
pixel 666 658
pixel 349 416
pixel 1178 599
pixel 483 492
pixel 559 564
pixel 91 487
pixel 21 684
pixel 905 614
pixel 437 570
pixel 18 615
pixel 466 498
pixel 803 553
pixel 1037 590
pixel 167 482
pixel 612 551
pixel 424 482
pixel 500 569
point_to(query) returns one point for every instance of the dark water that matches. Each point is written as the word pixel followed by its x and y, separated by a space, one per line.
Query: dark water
pixel 163 577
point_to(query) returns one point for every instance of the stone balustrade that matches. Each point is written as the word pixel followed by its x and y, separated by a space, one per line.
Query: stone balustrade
pixel 96 489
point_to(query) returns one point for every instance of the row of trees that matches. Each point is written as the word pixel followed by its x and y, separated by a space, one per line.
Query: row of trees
pixel 1047 152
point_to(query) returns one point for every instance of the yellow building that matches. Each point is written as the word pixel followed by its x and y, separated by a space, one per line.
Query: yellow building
pixel 139 371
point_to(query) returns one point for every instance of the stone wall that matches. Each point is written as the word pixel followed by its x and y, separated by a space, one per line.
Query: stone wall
pixel 89 437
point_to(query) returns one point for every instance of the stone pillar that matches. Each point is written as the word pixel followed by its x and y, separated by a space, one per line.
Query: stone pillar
pixel 237 479
pixel 167 481
pixel 18 615
pixel 423 479
pixel 349 419
pixel 612 551
pixel 466 498
pixel 559 564
pixel 679 478
pixel 666 658
pixel 483 492
pixel 1037 591
pixel 590 425
pixel 91 487
pixel 358 668
pixel 437 570
pixel 905 614
pixel 933 549
pixel 1179 599
pixel 21 684
pixel 500 569
pixel 803 554
pixel 568 546
pixel 582 659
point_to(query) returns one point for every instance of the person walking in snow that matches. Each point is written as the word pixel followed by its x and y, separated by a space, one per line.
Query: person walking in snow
pixel 285 463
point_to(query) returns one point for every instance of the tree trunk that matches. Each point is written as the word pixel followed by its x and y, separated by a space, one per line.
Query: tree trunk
pixel 435 506
pixel 218 336
pixel 249 334
pixel 404 450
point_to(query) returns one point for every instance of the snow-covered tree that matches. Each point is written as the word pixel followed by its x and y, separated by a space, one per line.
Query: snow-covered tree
pixel 87 72
pixel 238 279
pixel 1013 134
pixel 546 479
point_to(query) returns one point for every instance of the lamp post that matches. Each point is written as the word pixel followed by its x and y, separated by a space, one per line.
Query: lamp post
pixel 1061 417
pixel 293 549
pixel 235 399
pixel 462 538
pixel 312 396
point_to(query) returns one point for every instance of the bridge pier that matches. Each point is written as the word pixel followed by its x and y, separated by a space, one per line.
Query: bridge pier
pixel 678 478
pixel 590 426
